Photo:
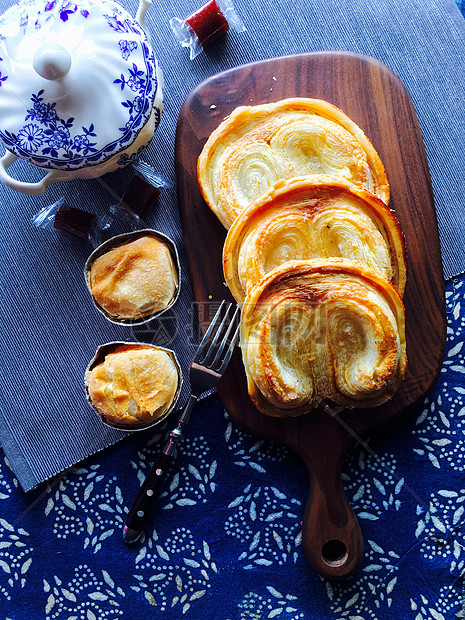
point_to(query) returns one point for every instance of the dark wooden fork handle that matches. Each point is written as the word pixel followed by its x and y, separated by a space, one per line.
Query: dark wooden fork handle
pixel 150 491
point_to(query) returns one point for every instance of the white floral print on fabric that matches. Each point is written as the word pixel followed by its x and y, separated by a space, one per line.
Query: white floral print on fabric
pixel 371 484
pixel 454 301
pixel 193 483
pixel 250 452
pixel 146 457
pixel 268 523
pixel 233 550
pixel 190 480
pixel 441 528
pixel 15 559
pixel 87 504
pixel 449 605
pixel 441 423
pixel 174 573
pixel 7 481
pixel 273 604
pixel 441 427
pixel 88 596
pixel 373 589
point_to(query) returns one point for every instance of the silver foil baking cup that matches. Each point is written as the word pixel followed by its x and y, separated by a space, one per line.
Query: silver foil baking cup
pixel 100 356
pixel 115 242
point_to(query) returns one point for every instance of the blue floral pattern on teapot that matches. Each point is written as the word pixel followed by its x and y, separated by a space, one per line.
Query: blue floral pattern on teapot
pixel 51 140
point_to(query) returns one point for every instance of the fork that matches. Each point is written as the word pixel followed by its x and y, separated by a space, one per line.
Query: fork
pixel 206 369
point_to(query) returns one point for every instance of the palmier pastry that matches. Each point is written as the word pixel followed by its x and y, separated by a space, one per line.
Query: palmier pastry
pixel 256 146
pixel 312 330
pixel 132 277
pixel 312 217
pixel 133 385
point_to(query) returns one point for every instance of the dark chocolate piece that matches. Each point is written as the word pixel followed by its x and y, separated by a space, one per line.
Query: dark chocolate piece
pixel 74 221
pixel 139 196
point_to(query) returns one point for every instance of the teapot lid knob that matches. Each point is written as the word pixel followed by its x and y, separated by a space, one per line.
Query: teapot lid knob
pixel 52 61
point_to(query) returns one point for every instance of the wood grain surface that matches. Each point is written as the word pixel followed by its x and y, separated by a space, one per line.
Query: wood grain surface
pixel 374 97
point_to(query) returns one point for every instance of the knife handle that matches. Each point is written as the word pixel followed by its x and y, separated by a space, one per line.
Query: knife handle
pixel 150 491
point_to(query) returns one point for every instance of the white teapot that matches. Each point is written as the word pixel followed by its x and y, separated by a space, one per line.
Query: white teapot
pixel 81 92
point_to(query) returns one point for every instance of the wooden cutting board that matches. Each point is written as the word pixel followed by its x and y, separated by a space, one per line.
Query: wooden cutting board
pixel 374 97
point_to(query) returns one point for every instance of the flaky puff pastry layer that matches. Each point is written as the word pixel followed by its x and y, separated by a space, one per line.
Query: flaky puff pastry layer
pixel 133 386
pixel 312 217
pixel 135 279
pixel 256 146
pixel 314 330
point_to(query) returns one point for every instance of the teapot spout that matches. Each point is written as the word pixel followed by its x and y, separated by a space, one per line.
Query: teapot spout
pixel 140 15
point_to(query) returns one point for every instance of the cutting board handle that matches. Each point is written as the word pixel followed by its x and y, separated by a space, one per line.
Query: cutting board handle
pixel 332 539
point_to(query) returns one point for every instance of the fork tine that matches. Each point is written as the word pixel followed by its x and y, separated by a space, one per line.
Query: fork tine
pixel 223 343
pixel 208 333
pixel 219 331
pixel 229 352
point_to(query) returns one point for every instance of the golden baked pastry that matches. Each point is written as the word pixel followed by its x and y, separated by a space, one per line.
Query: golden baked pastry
pixel 256 146
pixel 312 330
pixel 135 279
pixel 133 385
pixel 312 217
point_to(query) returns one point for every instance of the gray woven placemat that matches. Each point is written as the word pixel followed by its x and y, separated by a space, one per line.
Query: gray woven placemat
pixel 50 328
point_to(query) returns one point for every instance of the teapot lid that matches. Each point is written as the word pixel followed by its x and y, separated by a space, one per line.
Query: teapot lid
pixel 78 81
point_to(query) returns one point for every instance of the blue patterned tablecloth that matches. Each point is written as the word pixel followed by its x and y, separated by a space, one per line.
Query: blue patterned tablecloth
pixel 225 542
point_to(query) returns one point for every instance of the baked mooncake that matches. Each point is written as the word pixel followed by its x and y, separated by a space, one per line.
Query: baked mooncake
pixel 314 330
pixel 133 385
pixel 256 146
pixel 312 217
pixel 135 279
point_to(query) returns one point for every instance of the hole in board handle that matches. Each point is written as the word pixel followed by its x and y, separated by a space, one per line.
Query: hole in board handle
pixel 334 553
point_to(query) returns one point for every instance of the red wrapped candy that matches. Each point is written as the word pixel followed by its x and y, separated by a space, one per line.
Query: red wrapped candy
pixel 206 24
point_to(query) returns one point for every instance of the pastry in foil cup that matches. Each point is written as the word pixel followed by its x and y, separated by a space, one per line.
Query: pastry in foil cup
pixel 134 277
pixel 133 385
